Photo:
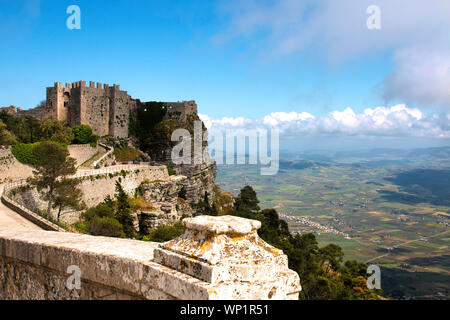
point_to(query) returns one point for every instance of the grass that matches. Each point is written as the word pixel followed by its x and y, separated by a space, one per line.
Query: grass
pixel 127 154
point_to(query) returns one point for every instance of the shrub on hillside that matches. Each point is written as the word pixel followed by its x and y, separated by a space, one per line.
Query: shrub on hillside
pixel 170 171
pixel 165 232
pixel 105 226
pixel 127 154
pixel 83 135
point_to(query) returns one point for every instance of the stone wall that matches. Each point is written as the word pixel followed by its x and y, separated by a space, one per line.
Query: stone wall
pixel 10 168
pixel 179 110
pixel 95 109
pixel 217 258
pixel 8 201
pixel 96 186
pixel 122 105
pixel 105 109
pixel 81 152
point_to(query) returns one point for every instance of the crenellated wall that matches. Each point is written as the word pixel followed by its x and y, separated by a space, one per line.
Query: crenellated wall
pixel 105 109
pixel 217 258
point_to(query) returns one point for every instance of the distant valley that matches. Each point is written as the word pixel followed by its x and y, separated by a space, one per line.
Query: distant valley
pixel 386 207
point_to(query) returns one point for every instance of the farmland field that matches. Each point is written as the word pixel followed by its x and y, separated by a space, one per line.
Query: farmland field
pixel 395 216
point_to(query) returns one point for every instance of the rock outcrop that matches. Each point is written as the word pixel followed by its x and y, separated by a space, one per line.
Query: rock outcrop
pixel 200 178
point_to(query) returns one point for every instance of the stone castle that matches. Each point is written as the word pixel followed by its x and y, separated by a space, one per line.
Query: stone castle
pixel 106 109
pixel 216 258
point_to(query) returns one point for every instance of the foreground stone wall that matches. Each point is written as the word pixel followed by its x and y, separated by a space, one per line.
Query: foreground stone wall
pixel 217 258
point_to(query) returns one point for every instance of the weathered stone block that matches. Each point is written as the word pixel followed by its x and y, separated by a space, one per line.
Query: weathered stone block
pixel 227 250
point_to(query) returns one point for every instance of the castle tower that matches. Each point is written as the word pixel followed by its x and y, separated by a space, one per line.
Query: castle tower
pixel 58 99
pixel 105 109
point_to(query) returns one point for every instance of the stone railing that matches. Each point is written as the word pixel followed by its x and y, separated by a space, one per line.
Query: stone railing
pixel 216 258
pixel 24 212
pixel 114 169
pixel 110 151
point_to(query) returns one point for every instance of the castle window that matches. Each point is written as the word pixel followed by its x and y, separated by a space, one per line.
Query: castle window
pixel 66 99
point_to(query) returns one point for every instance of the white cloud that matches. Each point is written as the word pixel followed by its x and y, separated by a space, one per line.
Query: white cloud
pixel 420 77
pixel 395 121
pixel 282 117
pixel 417 31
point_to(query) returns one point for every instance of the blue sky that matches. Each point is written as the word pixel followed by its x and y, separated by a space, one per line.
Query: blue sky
pixel 235 58
pixel 162 51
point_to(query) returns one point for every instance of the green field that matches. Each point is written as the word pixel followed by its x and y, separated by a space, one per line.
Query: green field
pixel 391 215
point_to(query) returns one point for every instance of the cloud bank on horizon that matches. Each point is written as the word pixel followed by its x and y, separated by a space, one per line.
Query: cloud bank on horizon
pixel 381 122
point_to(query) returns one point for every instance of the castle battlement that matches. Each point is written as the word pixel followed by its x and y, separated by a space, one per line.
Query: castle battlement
pixel 105 108
pixel 83 84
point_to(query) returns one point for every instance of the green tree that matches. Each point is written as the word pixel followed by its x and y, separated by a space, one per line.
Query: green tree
pixel 6 137
pixel 105 226
pixel 165 232
pixel 32 127
pixel 101 221
pixel 67 194
pixel 23 152
pixel 247 200
pixel 56 131
pixel 204 207
pixel 83 135
pixel 123 213
pixel 26 128
pixel 101 210
pixel 333 255
pixel 53 162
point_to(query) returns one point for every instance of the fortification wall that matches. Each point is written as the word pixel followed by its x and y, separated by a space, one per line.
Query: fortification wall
pixel 81 152
pixel 8 201
pixel 41 112
pixel 216 258
pixel 106 109
pixel 95 109
pixel 96 185
pixel 122 104
pixel 179 110
pixel 10 168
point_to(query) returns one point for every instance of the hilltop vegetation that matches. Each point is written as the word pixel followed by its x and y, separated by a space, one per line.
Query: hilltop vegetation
pixel 24 133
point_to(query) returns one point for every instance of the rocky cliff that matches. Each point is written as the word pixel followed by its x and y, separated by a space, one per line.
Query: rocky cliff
pixel 200 178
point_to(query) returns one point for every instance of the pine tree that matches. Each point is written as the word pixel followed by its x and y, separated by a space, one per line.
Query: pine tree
pixel 123 212
pixel 53 163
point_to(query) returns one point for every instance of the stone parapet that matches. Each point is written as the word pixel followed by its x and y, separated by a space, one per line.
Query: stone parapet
pixel 24 212
pixel 227 251
pixel 223 258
